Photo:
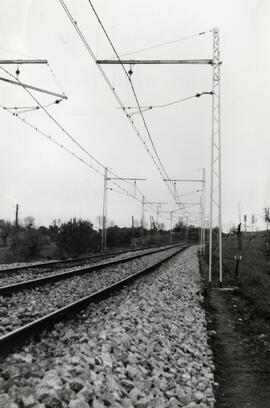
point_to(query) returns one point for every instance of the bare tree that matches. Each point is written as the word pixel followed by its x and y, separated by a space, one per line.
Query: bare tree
pixel 29 222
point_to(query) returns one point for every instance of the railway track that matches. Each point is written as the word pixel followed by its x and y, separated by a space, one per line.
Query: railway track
pixel 22 306
pixel 20 334
pixel 18 283
pixel 32 270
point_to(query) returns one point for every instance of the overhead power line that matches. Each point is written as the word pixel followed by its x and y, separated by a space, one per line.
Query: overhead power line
pixel 58 124
pixel 165 43
pixel 76 156
pixel 25 109
pixel 54 120
pixel 28 109
pixel 150 107
pixel 131 84
pixel 73 139
pixel 25 121
pixel 107 80
pixel 156 160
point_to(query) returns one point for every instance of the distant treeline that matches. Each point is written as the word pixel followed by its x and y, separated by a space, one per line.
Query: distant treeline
pixel 26 241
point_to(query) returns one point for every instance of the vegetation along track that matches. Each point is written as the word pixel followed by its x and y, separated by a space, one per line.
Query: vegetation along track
pixel 54 302
pixel 21 272
pixel 20 280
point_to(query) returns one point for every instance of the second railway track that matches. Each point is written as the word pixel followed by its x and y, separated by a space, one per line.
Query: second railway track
pixel 24 307
pixel 19 278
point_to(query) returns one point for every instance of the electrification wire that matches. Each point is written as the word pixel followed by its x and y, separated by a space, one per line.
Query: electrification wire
pixel 16 107
pixel 55 78
pixel 83 149
pixel 64 131
pixel 54 120
pixel 189 172
pixel 74 23
pixel 17 52
pixel 174 194
pixel 150 107
pixel 76 156
pixel 66 149
pixel 53 140
pixel 25 109
pixel 131 84
pixel 190 193
pixel 62 146
pixel 120 192
pixel 148 205
pixel 165 43
pixel 105 76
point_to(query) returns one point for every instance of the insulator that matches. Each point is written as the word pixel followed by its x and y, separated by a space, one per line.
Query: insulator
pixel 130 72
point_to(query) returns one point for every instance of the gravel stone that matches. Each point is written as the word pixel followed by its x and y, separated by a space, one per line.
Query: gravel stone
pixel 25 306
pixel 28 402
pixel 78 403
pixel 7 278
pixel 144 347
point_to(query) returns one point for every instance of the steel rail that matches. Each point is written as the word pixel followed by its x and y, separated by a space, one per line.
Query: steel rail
pixel 9 289
pixel 19 336
pixel 69 260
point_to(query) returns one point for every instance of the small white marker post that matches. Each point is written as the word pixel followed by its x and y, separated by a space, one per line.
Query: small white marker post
pixel 238 258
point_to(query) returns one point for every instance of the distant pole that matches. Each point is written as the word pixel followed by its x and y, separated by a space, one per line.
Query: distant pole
pixel 239 212
pixel 201 226
pixel 104 213
pixel 245 220
pixel 16 225
pixel 133 179
pixel 16 216
pixel 142 220
pixel 266 217
pixel 187 230
pixel 158 207
pixel 132 226
pixel 202 204
pixel 157 216
pixel 252 225
pixel 171 233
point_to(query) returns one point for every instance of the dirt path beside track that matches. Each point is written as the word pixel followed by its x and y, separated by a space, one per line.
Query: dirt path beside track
pixel 242 365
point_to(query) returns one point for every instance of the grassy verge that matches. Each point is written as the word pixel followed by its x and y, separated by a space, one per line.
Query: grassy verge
pixel 253 280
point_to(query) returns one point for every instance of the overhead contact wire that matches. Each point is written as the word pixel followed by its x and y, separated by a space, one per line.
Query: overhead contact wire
pixel 110 85
pixel 132 87
pixel 61 127
pixel 165 43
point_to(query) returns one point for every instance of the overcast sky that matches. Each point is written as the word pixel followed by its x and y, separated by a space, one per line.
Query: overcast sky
pixel 49 183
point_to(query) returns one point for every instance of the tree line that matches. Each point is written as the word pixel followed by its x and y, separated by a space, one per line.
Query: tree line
pixel 25 241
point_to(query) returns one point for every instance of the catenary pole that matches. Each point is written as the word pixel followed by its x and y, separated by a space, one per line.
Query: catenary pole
pixel 215 183
pixel 104 213
pixel 105 202
pixel 142 220
pixel 203 203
